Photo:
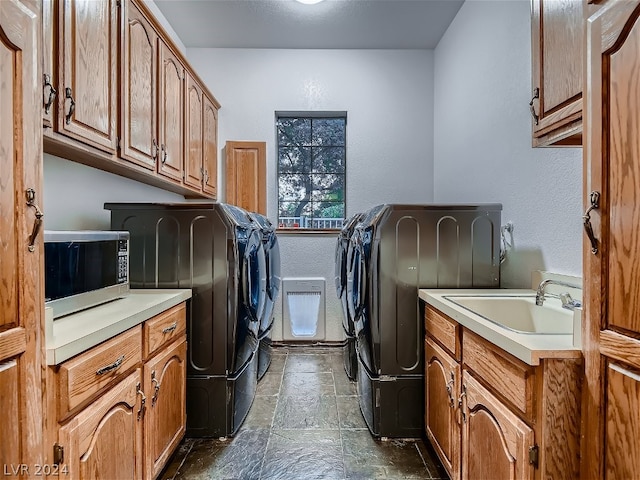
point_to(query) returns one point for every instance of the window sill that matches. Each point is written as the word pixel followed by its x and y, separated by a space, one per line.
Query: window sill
pixel 308 231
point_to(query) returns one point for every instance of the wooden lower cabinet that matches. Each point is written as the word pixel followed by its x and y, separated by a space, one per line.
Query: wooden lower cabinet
pixel 129 427
pixel 496 441
pixel 105 439
pixel 165 420
pixel 490 415
pixel 442 381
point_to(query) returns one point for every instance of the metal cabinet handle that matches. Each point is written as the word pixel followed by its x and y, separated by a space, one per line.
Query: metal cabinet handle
pixel 156 388
pixel 460 403
pixel 52 92
pixel 536 94
pixel 170 328
pixel 143 401
pixel 109 368
pixel 72 106
pixel 594 200
pixel 37 225
pixel 154 151
pixel 163 149
pixel 450 390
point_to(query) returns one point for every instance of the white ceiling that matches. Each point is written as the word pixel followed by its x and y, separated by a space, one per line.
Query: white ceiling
pixel 379 24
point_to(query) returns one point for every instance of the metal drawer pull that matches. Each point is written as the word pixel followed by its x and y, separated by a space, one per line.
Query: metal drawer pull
pixel 594 200
pixel 156 388
pixel 170 328
pixel 143 401
pixel 52 92
pixel 37 225
pixel 72 106
pixel 115 365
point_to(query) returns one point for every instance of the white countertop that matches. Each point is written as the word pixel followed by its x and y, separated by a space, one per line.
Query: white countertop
pixel 530 348
pixel 72 334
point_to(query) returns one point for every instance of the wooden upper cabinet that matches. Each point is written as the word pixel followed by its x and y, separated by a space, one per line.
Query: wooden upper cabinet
pixel 201 136
pixel 611 335
pixel 210 147
pixel 193 171
pixel 171 106
pixel 557 50
pixel 88 86
pixel 139 71
pixel 21 279
pixel 49 82
pixel 246 175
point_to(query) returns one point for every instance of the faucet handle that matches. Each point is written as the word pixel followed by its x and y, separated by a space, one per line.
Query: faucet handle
pixel 568 302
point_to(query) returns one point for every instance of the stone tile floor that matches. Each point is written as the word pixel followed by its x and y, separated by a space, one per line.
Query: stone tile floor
pixel 305 423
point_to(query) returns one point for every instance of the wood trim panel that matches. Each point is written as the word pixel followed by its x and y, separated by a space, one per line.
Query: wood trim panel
pixel 444 330
pixel 512 378
pixel 620 347
pixel 558 408
pixel 13 342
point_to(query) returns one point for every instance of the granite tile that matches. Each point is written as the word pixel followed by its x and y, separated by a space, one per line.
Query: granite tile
pixel 349 413
pixel 278 360
pixel 261 413
pixel 308 363
pixel 366 457
pixel 314 411
pixel 270 384
pixel 343 385
pixel 238 458
pixel 303 454
pixel 307 383
pixel 177 459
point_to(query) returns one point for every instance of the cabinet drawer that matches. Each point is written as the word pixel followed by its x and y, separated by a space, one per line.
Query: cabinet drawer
pixel 164 328
pixel 82 377
pixel 443 329
pixel 509 377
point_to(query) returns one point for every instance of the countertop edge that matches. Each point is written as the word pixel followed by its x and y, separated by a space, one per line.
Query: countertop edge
pixel 140 305
pixel 529 348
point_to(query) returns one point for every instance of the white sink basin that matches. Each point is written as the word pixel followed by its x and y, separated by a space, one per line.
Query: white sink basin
pixel 519 313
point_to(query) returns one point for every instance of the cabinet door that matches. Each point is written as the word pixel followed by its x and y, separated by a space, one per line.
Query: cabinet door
pixel 210 147
pixel 171 115
pixel 105 439
pixel 622 422
pixel 611 338
pixel 246 175
pixel 87 106
pixel 442 383
pixel 21 284
pixel 495 441
pixel 139 86
pixel 49 92
pixel 165 388
pixel 557 52
pixel 193 167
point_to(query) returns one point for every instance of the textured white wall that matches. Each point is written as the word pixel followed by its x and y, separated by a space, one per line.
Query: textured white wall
pixel 74 195
pixel 483 140
pixel 388 96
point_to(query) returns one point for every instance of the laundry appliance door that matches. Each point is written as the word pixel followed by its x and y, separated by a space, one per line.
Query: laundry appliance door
pixel 273 278
pixel 254 280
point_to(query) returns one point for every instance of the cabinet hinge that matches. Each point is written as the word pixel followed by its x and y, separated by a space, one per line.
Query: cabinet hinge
pixel 58 454
pixel 534 453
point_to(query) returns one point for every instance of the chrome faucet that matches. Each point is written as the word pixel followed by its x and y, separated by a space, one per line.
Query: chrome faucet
pixel 567 302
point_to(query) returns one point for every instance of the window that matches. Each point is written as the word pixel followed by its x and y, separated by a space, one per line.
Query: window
pixel 311 169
